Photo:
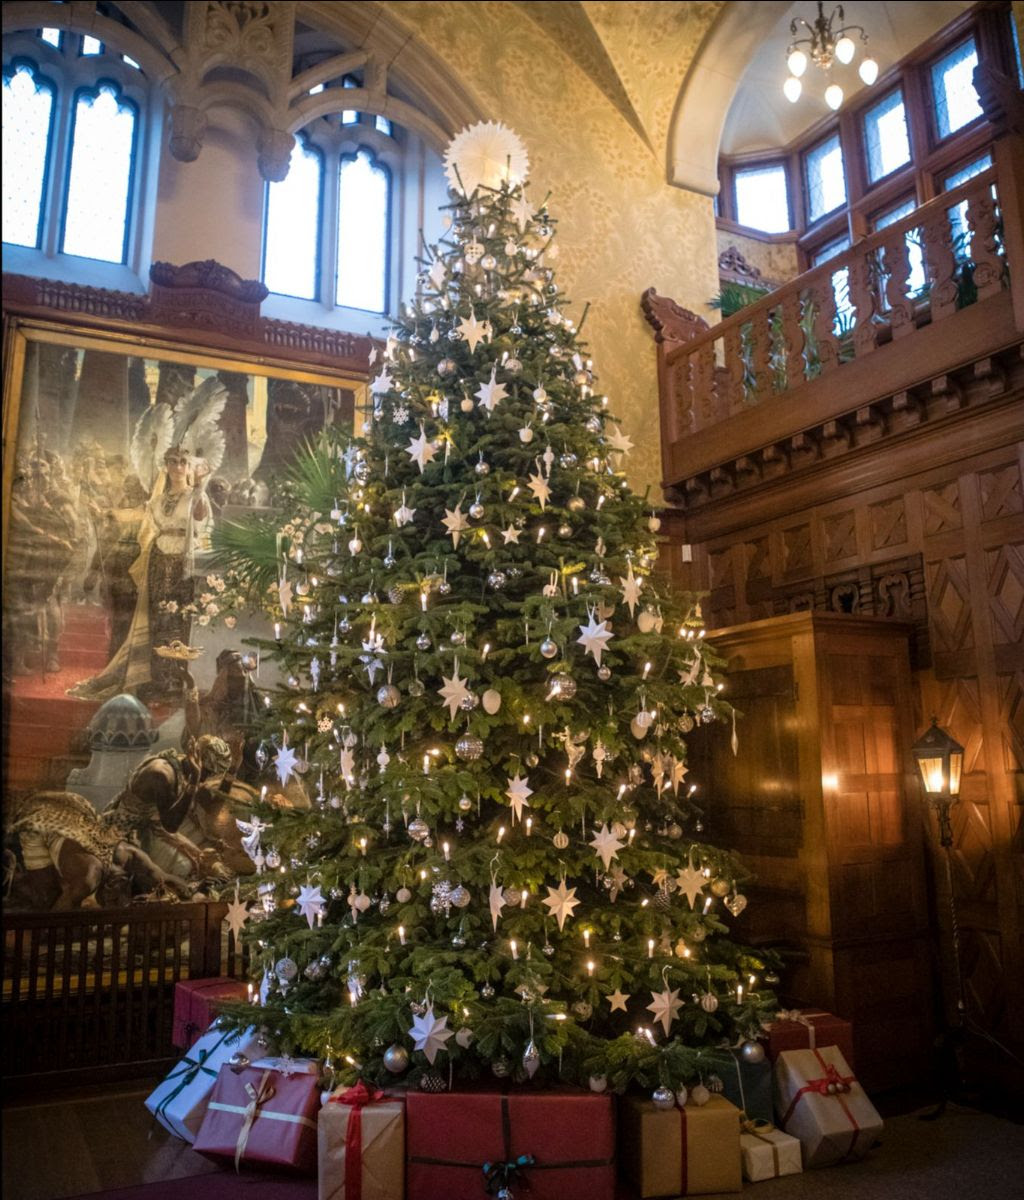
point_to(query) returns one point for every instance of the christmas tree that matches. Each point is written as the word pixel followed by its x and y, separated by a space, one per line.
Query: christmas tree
pixel 487 690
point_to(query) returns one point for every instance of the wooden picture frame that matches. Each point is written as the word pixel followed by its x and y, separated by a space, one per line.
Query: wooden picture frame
pixel 81 518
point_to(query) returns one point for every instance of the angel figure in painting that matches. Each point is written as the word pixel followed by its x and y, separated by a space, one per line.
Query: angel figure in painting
pixel 174 451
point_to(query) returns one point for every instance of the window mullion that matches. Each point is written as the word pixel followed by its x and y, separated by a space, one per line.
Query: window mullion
pixel 329 264
pixel 59 170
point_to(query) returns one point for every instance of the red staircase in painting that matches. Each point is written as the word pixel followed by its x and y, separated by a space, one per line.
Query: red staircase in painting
pixel 42 721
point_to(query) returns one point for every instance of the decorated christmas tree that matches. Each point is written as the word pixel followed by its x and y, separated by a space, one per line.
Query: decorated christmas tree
pixel 486 691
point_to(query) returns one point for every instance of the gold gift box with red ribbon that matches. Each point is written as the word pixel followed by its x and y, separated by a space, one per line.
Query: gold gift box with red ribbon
pixel 687 1151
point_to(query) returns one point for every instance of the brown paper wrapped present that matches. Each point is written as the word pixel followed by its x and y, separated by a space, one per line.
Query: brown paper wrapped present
pixel 689 1151
pixel 361 1143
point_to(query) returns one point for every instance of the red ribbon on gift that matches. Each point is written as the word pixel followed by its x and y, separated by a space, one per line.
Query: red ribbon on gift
pixel 684 1165
pixel 831 1084
pixel 358 1098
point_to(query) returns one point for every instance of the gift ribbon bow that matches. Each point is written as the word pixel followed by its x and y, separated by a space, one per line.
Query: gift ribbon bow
pixel 501 1176
pixel 831 1084
pixel 258 1095
pixel 760 1129
pixel 801 1018
pixel 188 1073
pixel 358 1098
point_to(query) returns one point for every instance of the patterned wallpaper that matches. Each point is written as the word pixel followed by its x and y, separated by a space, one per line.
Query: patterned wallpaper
pixel 622 228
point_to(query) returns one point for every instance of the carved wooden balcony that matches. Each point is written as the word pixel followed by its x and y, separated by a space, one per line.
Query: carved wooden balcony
pixel 870 344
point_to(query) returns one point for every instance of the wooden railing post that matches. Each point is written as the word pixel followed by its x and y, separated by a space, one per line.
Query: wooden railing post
pixel 1008 153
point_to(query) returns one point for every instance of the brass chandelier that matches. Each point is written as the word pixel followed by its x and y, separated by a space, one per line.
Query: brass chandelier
pixel 823 46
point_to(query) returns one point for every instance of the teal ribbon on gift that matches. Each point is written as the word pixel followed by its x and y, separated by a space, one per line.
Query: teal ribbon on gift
pixel 501 1175
pixel 187 1071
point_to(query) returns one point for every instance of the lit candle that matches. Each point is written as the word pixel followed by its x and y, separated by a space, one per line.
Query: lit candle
pixel 514 948
pixel 529 826
pixel 568 775
pixel 362 846
pixel 708 902
pixel 540 534
pixel 423 601
pixel 501 832
pixel 586 938
pixel 526 718
pixel 401 934
pixel 447 851
pixel 524 896
pixel 650 947
pixel 739 993
pixel 352 998
pixel 277 631
pixel 319 918
pixel 250 993
pixel 486 650
pixel 426 764
pixel 590 968
pixel 263 793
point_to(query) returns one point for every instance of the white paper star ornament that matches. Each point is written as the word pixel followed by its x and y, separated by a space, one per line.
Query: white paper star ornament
pixel 606 845
pixel 381 383
pixel 473 331
pixel 284 762
pixel 665 1007
pixel 617 1000
pixel 486 154
pixel 690 882
pixel 631 589
pixel 496 902
pixel 539 486
pixel 429 1033
pixel 237 915
pixel 311 903
pixel 454 691
pixel 618 441
pixel 561 901
pixel 510 535
pixel 491 392
pixel 519 793
pixel 403 513
pixel 421 450
pixel 455 522
pixel 594 637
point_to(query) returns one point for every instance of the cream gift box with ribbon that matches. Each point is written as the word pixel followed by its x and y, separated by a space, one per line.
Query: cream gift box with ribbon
pixel 179 1102
pixel 819 1101
pixel 768 1152
pixel 263 1117
pixel 361 1137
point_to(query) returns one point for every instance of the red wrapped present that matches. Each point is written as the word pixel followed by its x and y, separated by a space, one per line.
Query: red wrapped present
pixel 809 1029
pixel 195 1006
pixel 262 1117
pixel 466 1145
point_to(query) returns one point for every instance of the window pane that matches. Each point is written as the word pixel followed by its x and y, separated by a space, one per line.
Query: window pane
pixel 350 116
pixel 762 201
pixel 830 250
pixel 383 125
pixel 27 119
pixel 292 239
pixel 885 136
pixel 840 282
pixel 956 101
pixel 363 199
pixel 99 183
pixel 131 62
pixel 51 36
pixel 1017 58
pixel 91 45
pixel 825 178
pixel 915 255
pixel 964 173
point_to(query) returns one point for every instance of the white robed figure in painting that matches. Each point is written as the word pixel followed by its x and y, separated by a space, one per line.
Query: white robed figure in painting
pixel 174 453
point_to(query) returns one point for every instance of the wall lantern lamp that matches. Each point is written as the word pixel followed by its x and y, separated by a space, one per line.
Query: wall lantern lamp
pixel 940 761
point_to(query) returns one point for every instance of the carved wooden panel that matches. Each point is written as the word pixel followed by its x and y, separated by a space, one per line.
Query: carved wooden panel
pixel 942 509
pixel 1005 569
pixel 796 541
pixel 1011 711
pixel 949 604
pixel 840 532
pixel 888 524
pixel 1001 492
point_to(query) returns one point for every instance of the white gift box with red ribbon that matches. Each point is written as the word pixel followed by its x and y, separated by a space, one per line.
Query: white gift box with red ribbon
pixel 819 1101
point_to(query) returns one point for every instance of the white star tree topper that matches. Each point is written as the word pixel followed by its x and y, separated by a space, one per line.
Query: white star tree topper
pixel 561 901
pixel 429 1033
pixel 594 636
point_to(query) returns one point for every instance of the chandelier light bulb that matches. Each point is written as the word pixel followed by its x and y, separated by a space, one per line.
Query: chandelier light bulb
pixel 792 88
pixel 845 49
pixel 833 96
pixel 797 62
pixel 869 71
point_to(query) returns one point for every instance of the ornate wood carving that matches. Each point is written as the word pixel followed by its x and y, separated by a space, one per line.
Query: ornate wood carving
pixel 205 294
pixel 733 267
pixel 670 321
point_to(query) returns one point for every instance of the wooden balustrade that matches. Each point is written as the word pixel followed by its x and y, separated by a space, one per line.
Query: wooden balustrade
pixel 89 993
pixel 724 388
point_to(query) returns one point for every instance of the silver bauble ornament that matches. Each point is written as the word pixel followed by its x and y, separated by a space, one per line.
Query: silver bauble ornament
pixel 457 637
pixel 549 648
pixel 560 840
pixel 273 859
pixel 465 804
pixel 487 991
pixel 459 896
pixel 458 941
pixel 598 1084
pixel 583 1010
pixel 513 366
pixel 705 714
pixel 416 688
pixel 482 468
pixel 418 829
pixel 388 696
pixel 513 897
pixel 423 642
pixel 709 1002
pixel 469 747
pixel 563 686
pixel 663 1098
pixel 469 701
pixel 396 1059
pixel 238 1062
pixel 476 510
pixel 446 366
pixel 700 1095
pixel 403 895
pixel 752 1052
pixel 496 580
pixel 286 969
pixel 771 978
pixel 444 587
pixel 576 504
pixel 547 950
pixel 567 460
pixel 565 530
pixel 604 673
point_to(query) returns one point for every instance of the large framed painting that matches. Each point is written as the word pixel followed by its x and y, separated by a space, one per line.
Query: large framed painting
pixel 123 453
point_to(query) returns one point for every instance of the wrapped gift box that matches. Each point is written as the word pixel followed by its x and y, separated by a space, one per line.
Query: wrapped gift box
pixel 195 1006
pixel 747 1085
pixel 768 1152
pixel 179 1103
pixel 689 1151
pixel 568 1133
pixel 820 1102
pixel 361 1144
pixel 808 1030
pixel 262 1117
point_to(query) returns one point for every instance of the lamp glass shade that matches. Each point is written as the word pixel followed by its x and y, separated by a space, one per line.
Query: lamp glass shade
pixel 833 96
pixel 797 62
pixel 868 71
pixel 792 88
pixel 932 775
pixel 845 49
pixel 940 759
pixel 956 764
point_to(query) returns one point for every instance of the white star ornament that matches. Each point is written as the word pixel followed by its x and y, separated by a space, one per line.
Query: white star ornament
pixel 429 1033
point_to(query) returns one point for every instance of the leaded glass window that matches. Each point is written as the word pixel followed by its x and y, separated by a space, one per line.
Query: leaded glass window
pixel 762 198
pixel 364 188
pixel 291 238
pixel 840 282
pixel 915 252
pixel 100 179
pixel 886 139
pixel 27 127
pixel 956 102
pixel 824 178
